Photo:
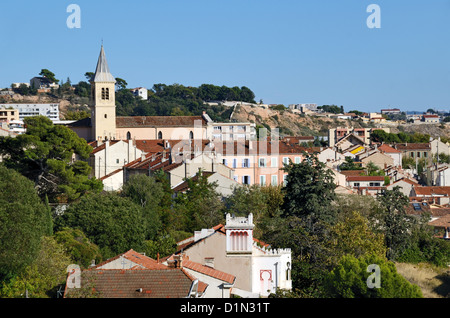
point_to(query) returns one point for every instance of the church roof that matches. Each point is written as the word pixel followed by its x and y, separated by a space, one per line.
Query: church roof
pixel 102 73
pixel 158 121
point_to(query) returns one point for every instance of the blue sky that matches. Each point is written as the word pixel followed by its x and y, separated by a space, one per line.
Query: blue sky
pixel 286 51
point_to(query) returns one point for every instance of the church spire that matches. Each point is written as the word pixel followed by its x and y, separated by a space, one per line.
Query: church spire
pixel 102 73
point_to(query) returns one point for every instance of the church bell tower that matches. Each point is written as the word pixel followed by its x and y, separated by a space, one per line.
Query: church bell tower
pixel 103 107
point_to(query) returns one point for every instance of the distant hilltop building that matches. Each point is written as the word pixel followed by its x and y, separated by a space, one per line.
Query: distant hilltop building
pixel 50 111
pixel 141 92
pixel 304 108
pixel 392 111
pixel 43 84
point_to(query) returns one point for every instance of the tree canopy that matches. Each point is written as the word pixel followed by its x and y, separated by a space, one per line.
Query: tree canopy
pixel 23 221
pixel 46 155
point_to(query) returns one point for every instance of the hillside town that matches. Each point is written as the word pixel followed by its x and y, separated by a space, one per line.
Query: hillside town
pixel 227 260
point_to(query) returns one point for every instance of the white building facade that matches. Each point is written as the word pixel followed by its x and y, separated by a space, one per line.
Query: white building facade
pixel 50 111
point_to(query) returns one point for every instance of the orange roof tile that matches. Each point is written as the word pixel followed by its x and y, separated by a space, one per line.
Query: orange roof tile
pixel 138 258
pixel 209 271
pixel 388 149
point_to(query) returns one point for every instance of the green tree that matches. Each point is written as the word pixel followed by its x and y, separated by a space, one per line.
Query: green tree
pixel 200 206
pixel 23 221
pixel 113 222
pixel 148 193
pixel 349 164
pixel 352 279
pixel 374 170
pixel 78 247
pixel 352 235
pixel 309 191
pixel 391 219
pixel 45 155
pixel 50 75
pixel 264 203
pixel 163 245
pixel 43 277
pixel 121 83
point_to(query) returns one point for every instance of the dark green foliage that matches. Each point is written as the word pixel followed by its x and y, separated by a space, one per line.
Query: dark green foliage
pixel 179 100
pixel 200 206
pixel 23 221
pixel 114 223
pixel 393 221
pixel 349 164
pixel 350 280
pixel 332 109
pixel 382 136
pixel 45 155
pixel 309 191
pixel 78 247
pixel 148 193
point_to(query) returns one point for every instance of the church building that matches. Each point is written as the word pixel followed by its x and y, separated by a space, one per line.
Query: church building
pixel 105 125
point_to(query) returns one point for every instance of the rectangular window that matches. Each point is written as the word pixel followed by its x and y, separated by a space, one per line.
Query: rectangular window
pixel 245 163
pixel 262 180
pixel 105 93
pixel 262 162
pixel 246 179
pixel 274 162
pixel 356 184
pixel 297 160
pixel 234 163
pixel 274 180
pixel 224 161
pixel 374 184
pixel 285 160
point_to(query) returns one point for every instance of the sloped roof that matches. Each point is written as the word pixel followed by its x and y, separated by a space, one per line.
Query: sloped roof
pixel 102 73
pixel 413 146
pixel 388 149
pixel 365 178
pixel 158 121
pixel 209 271
pixel 443 221
pixel 432 191
pixel 135 257
pixel 137 283
pixel 261 147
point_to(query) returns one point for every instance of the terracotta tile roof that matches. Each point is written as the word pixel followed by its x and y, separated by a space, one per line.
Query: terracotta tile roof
pixel 158 121
pixel 261 148
pixel 153 162
pixel 443 221
pixel 138 258
pixel 406 180
pixel 352 172
pixel 206 270
pixel 102 146
pixel 365 178
pixel 432 191
pixel 413 146
pixel 111 174
pixel 159 145
pixel 388 149
pixel 143 283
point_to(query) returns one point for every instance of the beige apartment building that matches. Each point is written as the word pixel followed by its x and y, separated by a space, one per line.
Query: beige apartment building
pixel 8 114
